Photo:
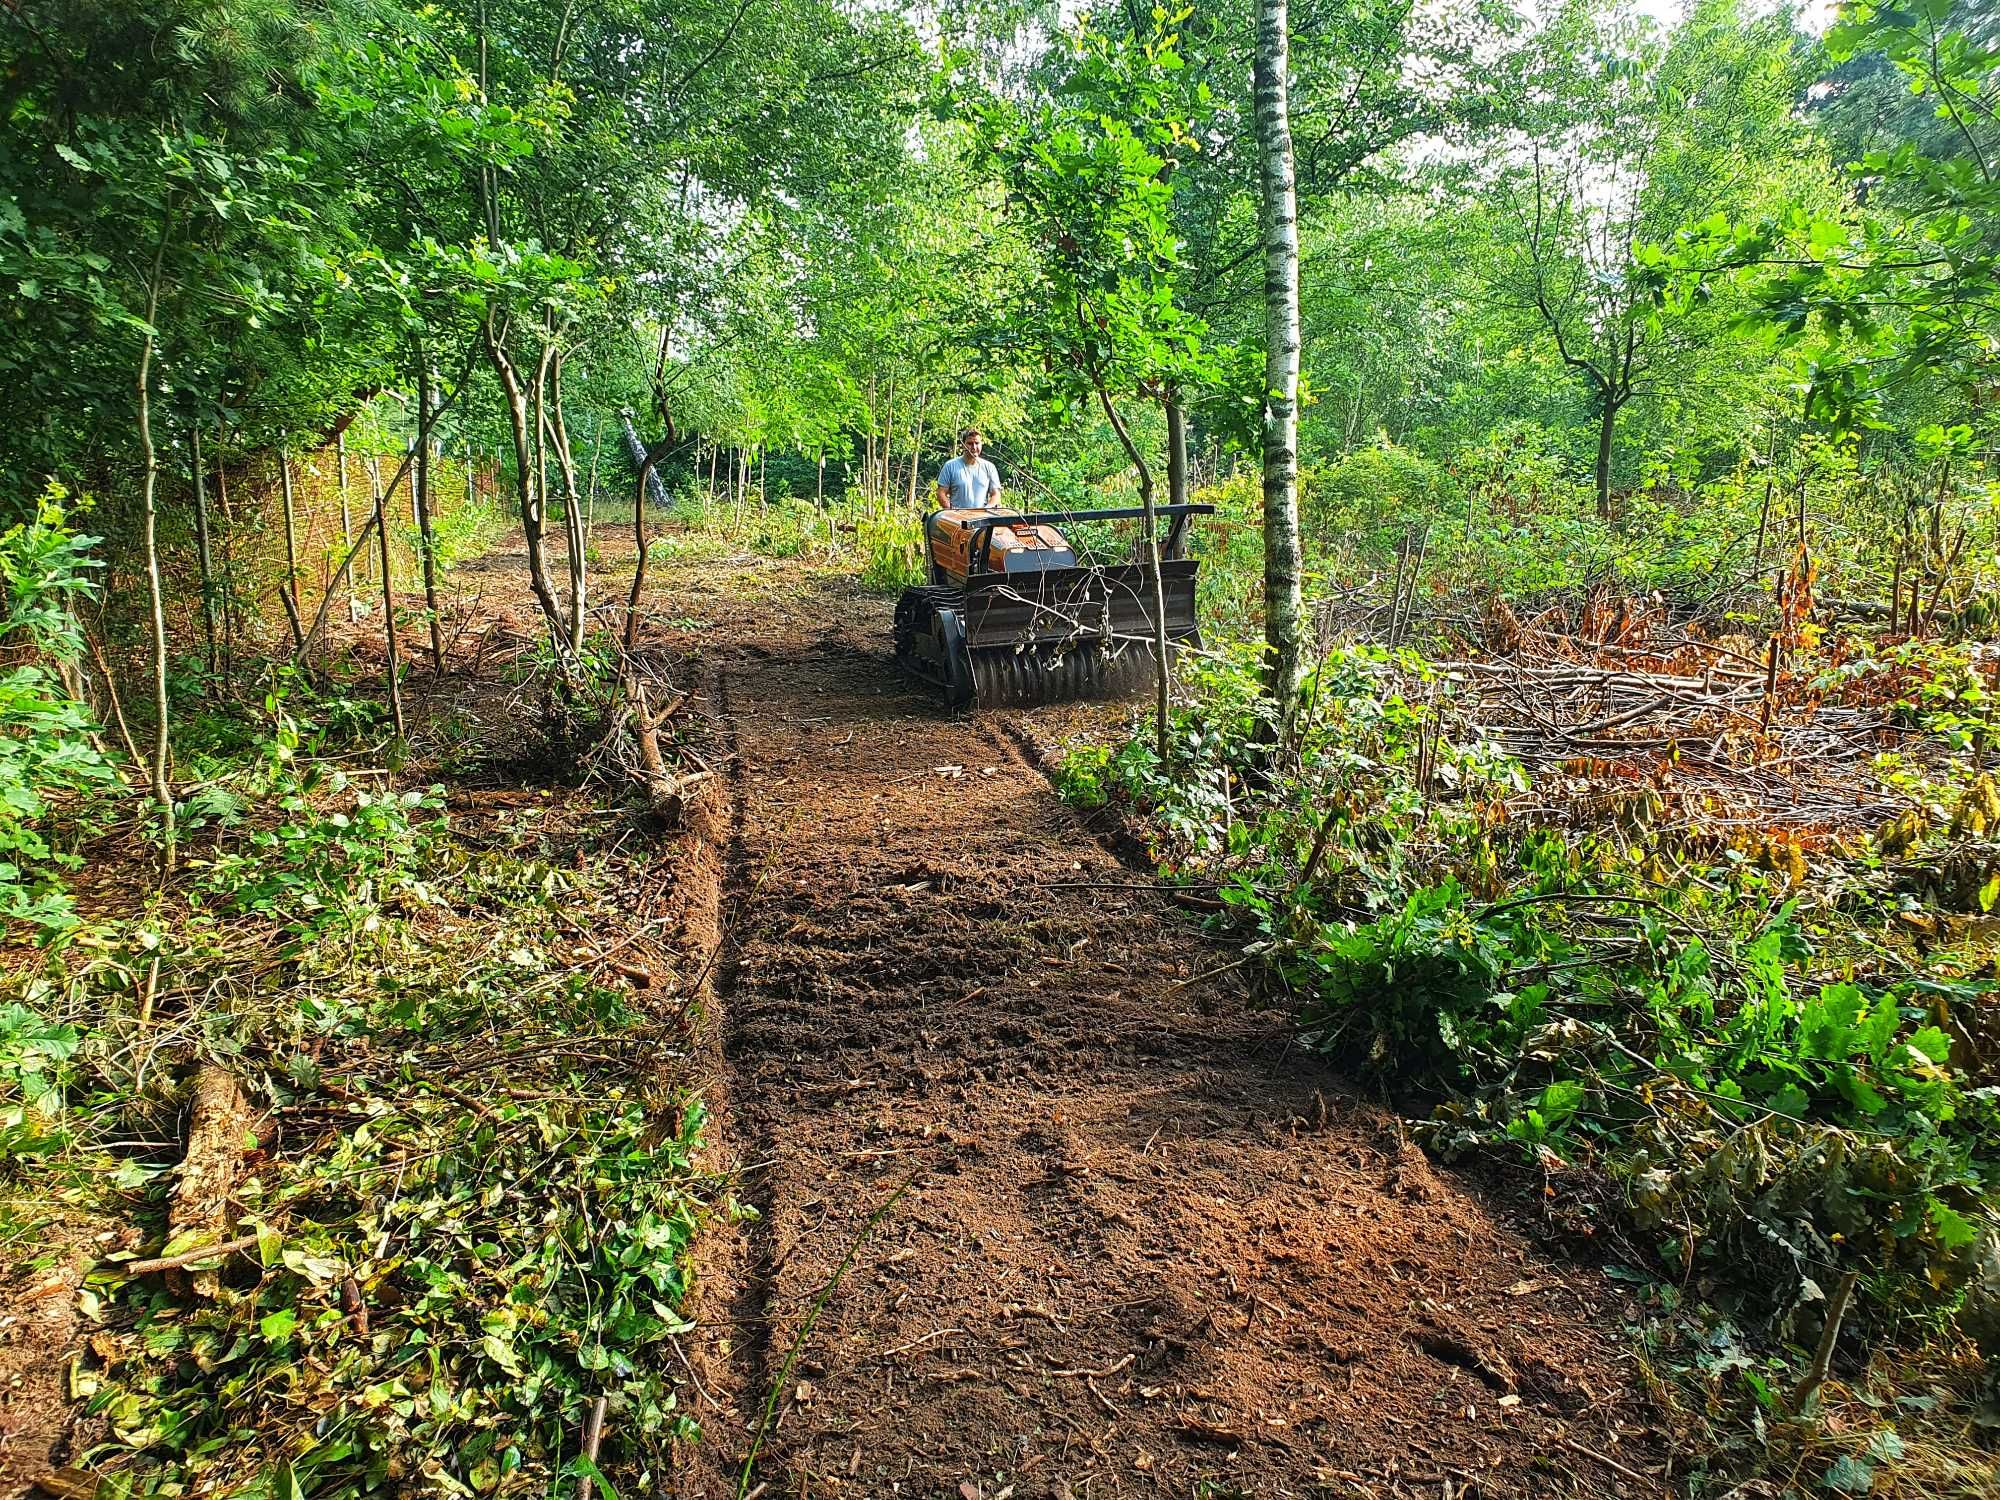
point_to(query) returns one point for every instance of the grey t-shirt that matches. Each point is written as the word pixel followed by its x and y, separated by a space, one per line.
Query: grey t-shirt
pixel 969 483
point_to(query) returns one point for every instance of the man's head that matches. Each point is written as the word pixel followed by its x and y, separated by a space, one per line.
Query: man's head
pixel 969 443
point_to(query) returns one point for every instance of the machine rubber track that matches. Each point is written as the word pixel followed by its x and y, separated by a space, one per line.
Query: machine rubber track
pixel 930 644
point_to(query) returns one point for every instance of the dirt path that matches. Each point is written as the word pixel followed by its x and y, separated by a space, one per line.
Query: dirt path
pixel 1099 1235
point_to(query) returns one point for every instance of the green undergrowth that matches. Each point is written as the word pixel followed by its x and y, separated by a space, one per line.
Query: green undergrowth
pixel 1738 1073
pixel 1508 518
pixel 881 543
pixel 467 1168
pixel 51 758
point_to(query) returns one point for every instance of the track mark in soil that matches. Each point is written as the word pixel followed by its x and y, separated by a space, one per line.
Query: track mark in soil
pixel 1141 1250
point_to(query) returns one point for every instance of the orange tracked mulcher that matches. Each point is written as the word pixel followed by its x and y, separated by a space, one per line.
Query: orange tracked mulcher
pixel 1011 615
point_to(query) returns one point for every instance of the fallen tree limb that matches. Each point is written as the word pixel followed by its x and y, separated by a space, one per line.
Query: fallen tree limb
pixel 218 1120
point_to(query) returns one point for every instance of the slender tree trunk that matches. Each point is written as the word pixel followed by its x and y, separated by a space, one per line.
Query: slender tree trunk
pixel 290 592
pixel 204 554
pixel 1284 613
pixel 346 534
pixel 887 461
pixel 425 422
pixel 647 465
pixel 163 796
pixel 916 450
pixel 529 491
pixel 763 492
pixel 420 491
pixel 228 588
pixel 590 499
pixel 1607 424
pixel 393 670
pixel 1150 540
pixel 558 439
pixel 1177 454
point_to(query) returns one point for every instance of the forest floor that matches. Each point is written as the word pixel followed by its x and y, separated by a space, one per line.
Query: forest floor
pixel 1031 1201
pixel 1041 1207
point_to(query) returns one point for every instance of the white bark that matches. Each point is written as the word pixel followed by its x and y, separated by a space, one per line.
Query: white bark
pixel 1284 615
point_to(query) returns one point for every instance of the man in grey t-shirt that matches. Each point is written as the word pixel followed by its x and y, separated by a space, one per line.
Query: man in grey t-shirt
pixel 968 479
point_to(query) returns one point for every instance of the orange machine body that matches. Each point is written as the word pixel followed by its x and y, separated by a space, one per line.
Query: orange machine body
pixel 1011 549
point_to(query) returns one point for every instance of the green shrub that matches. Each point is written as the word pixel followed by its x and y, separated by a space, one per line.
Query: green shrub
pixel 892 551
pixel 1372 493
pixel 50 760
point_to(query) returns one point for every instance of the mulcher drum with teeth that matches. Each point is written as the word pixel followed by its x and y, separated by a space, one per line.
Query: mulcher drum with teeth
pixel 1011 618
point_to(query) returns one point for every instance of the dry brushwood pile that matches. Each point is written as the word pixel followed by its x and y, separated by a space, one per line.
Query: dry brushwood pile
pixel 1620 712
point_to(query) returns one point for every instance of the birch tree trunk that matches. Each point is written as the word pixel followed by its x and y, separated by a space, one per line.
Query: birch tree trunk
pixel 1284 624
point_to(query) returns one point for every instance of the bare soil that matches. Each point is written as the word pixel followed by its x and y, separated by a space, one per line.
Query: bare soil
pixel 1040 1205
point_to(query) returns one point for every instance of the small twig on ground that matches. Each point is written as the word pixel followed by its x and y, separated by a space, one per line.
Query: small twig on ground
pixel 936 1333
pixel 593 1437
pixel 700 1389
pixel 1610 1463
pixel 1829 1335
pixel 1104 1374
pixel 184 1259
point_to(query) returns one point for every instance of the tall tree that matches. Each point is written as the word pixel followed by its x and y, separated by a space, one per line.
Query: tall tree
pixel 1090 179
pixel 1284 611
pixel 1642 133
